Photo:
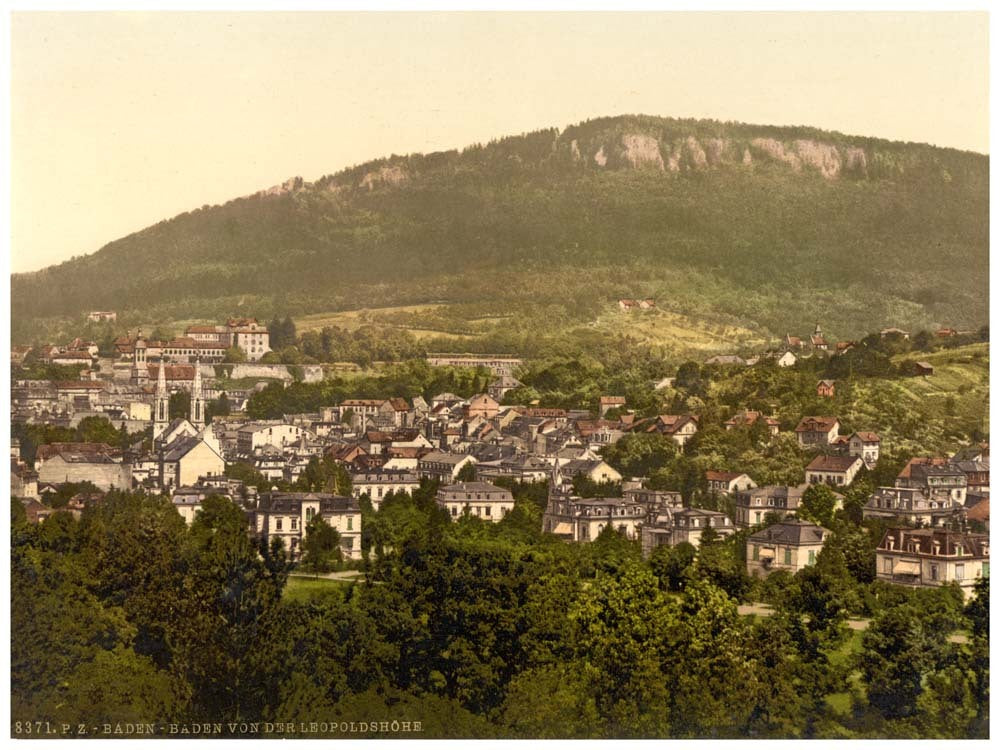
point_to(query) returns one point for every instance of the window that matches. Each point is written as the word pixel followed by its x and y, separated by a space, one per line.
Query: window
pixel 960 572
pixel 486 510
pixel 756 552
pixel 350 523
pixel 454 510
pixel 812 557
pixel 295 524
pixel 887 565
pixel 934 572
pixel 277 524
pixel 986 570
pixel 788 556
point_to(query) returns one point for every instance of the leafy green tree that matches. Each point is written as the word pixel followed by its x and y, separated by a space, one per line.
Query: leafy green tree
pixel 669 564
pixel 818 504
pixel 231 588
pixel 321 546
pixel 638 455
pixel 978 656
pixel 218 407
pixel 554 701
pixel 234 355
pixel 179 405
pixel 901 648
pixel 97 430
pixel 467 473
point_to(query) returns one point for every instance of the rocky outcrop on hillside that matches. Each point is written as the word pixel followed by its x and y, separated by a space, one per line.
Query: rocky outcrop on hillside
pixel 691 154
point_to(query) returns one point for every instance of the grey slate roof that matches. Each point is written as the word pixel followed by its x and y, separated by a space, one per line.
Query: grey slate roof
pixel 791 532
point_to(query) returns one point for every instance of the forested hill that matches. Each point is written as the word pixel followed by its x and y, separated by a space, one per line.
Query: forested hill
pixel 766 227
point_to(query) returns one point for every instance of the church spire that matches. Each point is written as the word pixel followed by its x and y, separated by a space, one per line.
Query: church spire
pixel 197 399
pixel 161 402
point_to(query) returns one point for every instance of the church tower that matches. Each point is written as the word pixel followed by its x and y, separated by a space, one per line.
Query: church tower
pixel 140 368
pixel 197 399
pixel 161 403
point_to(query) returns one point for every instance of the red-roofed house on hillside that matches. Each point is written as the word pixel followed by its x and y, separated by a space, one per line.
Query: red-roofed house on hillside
pixel 679 427
pixel 837 471
pixel 792 342
pixel 627 304
pixel 611 402
pixel 749 418
pixel 482 405
pixel 817 340
pixel 826 388
pixel 813 431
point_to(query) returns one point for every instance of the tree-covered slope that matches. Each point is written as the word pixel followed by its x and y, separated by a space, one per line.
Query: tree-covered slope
pixel 767 227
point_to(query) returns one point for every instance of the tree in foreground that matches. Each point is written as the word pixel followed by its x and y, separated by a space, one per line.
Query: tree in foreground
pixel 321 546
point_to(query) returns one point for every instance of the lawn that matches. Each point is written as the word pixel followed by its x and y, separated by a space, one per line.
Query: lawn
pixel 307 588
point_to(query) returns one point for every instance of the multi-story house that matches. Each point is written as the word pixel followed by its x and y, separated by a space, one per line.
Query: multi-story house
pixel 683 525
pixel 936 477
pixel 258 434
pixel 728 482
pixel 836 471
pixel 98 463
pixel 482 405
pixel 788 545
pixel 596 470
pixel 582 520
pixel 393 413
pixel 250 336
pixel 753 505
pixel 378 484
pixel 186 459
pixel 360 411
pixel 484 501
pixel 678 427
pixel 443 466
pixel 865 445
pixel 286 515
pixel 909 505
pixel 932 557
pixel 817 431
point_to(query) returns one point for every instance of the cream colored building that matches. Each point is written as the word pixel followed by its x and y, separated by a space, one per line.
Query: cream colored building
pixel 788 545
pixel 286 515
pixel 480 499
pixel 186 459
pixel 379 484
pixel 933 557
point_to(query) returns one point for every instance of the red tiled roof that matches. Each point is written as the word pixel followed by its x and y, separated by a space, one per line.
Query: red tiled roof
pixel 868 437
pixel 172 372
pixel 816 424
pixel 832 463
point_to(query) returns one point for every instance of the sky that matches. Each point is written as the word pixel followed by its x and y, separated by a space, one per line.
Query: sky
pixel 120 120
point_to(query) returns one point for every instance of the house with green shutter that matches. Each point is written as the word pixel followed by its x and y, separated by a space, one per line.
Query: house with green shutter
pixel 788 545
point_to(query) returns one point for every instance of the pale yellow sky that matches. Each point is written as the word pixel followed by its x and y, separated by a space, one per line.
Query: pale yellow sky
pixel 120 120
